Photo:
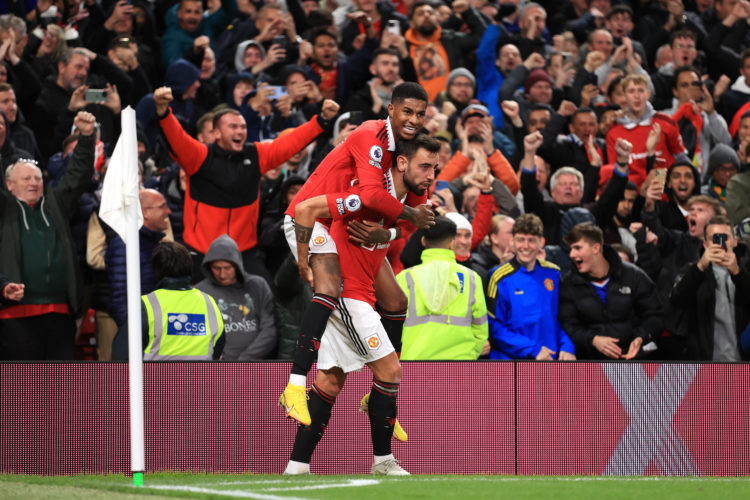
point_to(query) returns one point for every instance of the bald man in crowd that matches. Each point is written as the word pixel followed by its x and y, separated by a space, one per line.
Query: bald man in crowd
pixel 155 225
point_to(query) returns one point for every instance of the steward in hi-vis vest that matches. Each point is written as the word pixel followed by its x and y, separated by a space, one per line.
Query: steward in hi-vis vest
pixel 182 325
pixel 447 317
pixel 178 322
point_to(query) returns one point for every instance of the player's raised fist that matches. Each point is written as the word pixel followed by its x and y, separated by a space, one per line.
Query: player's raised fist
pixel 329 109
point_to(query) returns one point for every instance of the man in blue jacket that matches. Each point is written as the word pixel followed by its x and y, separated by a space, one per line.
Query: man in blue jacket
pixel 522 299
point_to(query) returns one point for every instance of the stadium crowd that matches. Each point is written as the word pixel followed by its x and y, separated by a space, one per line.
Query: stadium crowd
pixel 593 169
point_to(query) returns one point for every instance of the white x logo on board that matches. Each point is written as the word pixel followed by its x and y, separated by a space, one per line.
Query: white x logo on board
pixel 650 405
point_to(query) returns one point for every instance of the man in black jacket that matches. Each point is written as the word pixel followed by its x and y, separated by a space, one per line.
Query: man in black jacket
pixel 609 308
pixel 36 250
pixel 716 292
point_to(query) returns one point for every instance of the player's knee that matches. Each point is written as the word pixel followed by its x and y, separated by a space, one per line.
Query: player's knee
pixel 392 372
pixel 330 381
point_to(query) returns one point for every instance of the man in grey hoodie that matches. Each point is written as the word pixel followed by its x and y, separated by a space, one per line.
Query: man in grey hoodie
pixel 245 302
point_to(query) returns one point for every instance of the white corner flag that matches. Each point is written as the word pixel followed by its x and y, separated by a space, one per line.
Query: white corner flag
pixel 121 210
pixel 121 184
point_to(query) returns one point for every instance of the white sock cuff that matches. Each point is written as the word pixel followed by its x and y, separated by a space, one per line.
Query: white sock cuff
pixel 383 458
pixel 295 379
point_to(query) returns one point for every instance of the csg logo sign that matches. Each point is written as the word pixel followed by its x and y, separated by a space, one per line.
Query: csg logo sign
pixel 190 325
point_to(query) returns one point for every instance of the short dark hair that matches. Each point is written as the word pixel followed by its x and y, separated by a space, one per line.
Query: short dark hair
pixel 685 33
pixel 171 260
pixel 420 3
pixel 443 230
pixel 423 141
pixel 222 112
pixel 631 186
pixel 584 231
pixel 320 18
pixel 528 224
pixel 614 84
pixel 542 107
pixel 619 9
pixel 314 34
pixel 582 110
pixel 745 55
pixel 408 90
pixel 717 220
pixel 384 50
pixel 683 69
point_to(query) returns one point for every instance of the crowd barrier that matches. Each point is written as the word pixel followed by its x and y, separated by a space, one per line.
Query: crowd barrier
pixel 462 418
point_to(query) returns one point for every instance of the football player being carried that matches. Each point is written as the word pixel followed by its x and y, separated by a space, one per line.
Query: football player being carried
pixel 354 335
pixel 362 159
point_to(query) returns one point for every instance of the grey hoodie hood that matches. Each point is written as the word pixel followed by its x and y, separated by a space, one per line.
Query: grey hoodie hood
pixel 629 122
pixel 239 53
pixel 223 248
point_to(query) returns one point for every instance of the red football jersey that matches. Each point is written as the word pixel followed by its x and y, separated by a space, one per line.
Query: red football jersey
pixel 360 263
pixel 361 159
pixel 669 145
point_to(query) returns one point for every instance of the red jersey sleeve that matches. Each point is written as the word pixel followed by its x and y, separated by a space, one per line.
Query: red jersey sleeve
pixel 343 204
pixel 186 151
pixel 370 175
pixel 274 153
pixel 480 226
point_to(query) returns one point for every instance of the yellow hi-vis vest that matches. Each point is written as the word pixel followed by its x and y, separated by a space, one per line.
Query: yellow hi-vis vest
pixel 182 325
pixel 447 316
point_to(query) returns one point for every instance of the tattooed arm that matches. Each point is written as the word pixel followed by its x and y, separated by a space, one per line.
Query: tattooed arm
pixel 305 214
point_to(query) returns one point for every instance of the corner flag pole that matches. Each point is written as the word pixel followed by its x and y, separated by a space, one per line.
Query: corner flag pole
pixel 135 347
pixel 121 209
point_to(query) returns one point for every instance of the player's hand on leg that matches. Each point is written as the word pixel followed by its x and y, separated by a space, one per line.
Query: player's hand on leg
pixel 305 272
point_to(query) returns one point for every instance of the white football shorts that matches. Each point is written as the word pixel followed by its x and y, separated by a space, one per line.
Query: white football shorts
pixel 320 241
pixel 354 336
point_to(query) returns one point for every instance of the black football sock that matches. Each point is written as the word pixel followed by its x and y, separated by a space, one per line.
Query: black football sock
pixel 320 405
pixel 393 322
pixel 313 325
pixel 382 410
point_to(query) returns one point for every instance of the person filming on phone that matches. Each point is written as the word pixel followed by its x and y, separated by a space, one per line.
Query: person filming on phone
pixel 715 290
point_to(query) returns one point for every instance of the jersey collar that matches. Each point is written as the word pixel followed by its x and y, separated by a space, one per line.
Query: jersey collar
pixel 391 140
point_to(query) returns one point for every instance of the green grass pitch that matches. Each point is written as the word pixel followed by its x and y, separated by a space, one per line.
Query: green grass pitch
pixel 276 487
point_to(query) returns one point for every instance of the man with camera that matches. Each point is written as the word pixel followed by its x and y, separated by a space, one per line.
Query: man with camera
pixel 716 292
